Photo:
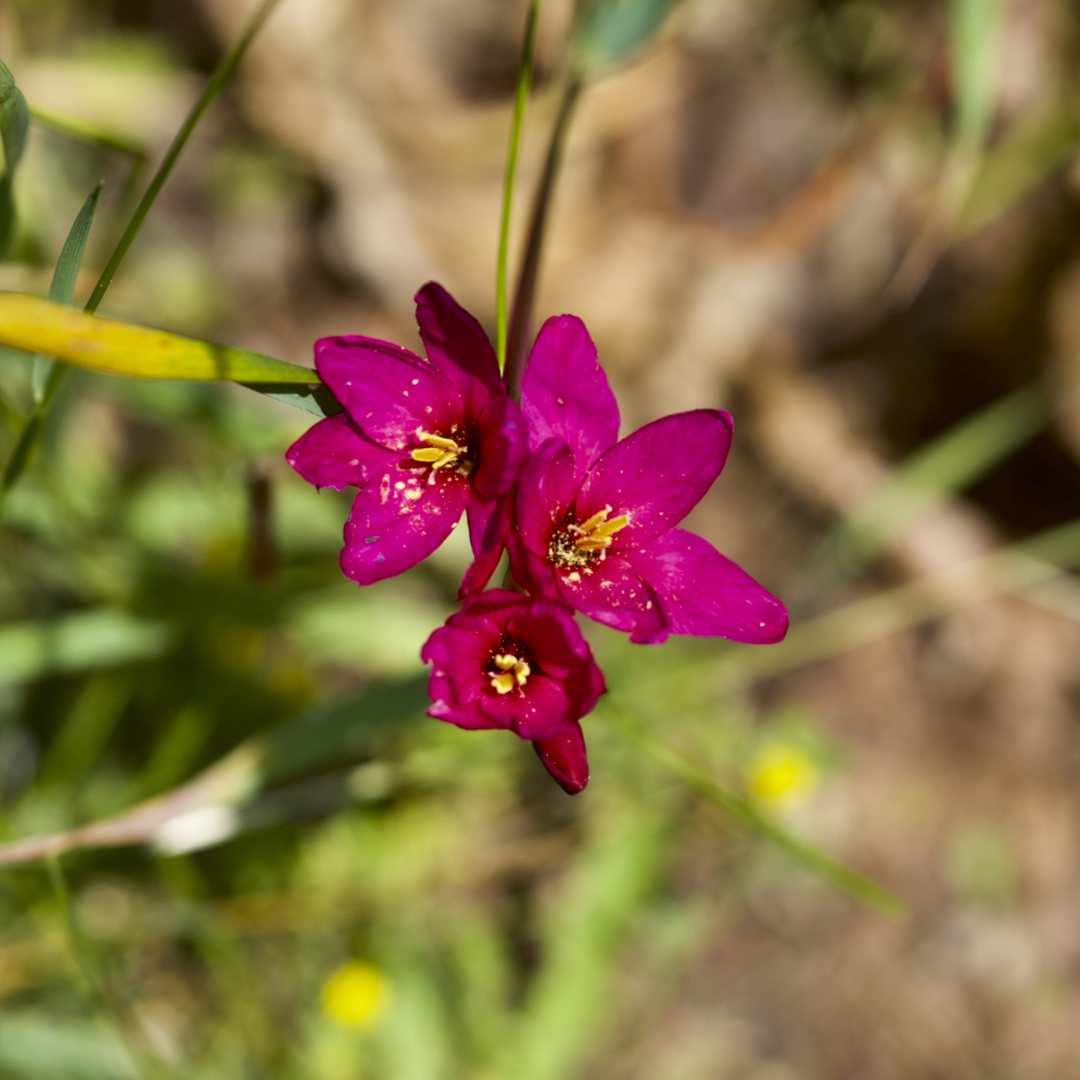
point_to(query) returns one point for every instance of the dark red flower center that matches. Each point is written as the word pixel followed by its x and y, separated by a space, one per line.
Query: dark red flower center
pixel 573 546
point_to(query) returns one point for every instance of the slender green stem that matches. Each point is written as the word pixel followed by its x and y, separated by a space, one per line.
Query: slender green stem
pixel 221 75
pixel 525 296
pixel 524 84
pixel 74 128
pixel 747 814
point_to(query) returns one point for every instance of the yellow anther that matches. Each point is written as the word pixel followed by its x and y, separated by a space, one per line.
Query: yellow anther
pixel 595 533
pixel 439 452
pixel 503 683
pixel 515 672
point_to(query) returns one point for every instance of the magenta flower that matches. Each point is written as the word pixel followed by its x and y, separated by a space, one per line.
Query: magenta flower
pixel 595 517
pixel 509 661
pixel 423 440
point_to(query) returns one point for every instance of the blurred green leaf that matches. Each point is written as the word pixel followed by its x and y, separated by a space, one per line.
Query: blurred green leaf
pixel 78 642
pixel 14 124
pixel 973 40
pixel 612 32
pixel 62 289
pixel 203 811
pixel 571 995
pixel 36 325
pixel 33 1045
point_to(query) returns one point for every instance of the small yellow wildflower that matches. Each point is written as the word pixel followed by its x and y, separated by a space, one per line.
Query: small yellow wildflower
pixel 781 774
pixel 355 995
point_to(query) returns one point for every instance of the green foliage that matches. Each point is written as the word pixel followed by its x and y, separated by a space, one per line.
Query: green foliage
pixel 14 126
pixel 612 32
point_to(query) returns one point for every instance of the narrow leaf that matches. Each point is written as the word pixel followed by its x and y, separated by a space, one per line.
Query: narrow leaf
pixel 36 325
pixel 62 289
pixel 14 124
pixel 317 400
pixel 747 814
pixel 973 41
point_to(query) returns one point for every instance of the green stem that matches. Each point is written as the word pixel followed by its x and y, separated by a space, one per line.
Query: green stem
pixel 525 296
pixel 521 96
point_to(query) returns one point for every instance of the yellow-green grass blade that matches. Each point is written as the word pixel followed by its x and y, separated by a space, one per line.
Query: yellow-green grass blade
pixel 119 348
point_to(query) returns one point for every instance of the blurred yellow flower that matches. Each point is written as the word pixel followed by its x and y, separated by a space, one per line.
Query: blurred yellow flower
pixel 781 774
pixel 355 995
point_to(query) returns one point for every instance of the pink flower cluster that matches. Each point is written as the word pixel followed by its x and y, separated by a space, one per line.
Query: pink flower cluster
pixel 590 522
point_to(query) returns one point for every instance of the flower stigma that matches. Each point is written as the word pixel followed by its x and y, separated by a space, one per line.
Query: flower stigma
pixel 512 672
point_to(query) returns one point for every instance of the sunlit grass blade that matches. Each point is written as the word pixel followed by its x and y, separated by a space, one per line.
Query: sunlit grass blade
pixel 14 124
pixel 945 466
pixel 89 341
pixel 62 289
pixel 743 811
pixel 206 809
pixel 521 96
pixel 973 42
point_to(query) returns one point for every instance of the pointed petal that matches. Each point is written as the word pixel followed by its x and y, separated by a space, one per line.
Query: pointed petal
pixel 657 475
pixel 545 490
pixel 617 594
pixel 565 393
pixel 457 346
pixel 502 446
pixel 705 594
pixel 333 453
pixel 564 757
pixel 387 390
pixel 489 527
pixel 398 520
pixel 533 573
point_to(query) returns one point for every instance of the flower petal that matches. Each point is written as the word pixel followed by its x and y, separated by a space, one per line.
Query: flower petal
pixel 705 594
pixel 564 757
pixel 565 393
pixel 398 520
pixel 389 391
pixel 545 490
pixel 489 528
pixel 457 346
pixel 657 475
pixel 540 711
pixel 617 594
pixel 502 447
pixel 333 453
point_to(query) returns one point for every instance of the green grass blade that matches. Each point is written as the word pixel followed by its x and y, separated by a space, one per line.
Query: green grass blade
pixel 746 813
pixel 62 289
pixel 35 325
pixel 945 466
pixel 14 124
pixel 218 79
pixel 973 41
pixel 335 735
pixel 521 95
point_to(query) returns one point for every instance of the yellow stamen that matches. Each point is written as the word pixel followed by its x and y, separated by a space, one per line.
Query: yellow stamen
pixel 514 672
pixel 595 533
pixel 439 452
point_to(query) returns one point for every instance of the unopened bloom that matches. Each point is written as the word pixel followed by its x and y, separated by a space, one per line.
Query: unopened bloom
pixel 596 518
pixel 423 440
pixel 510 661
